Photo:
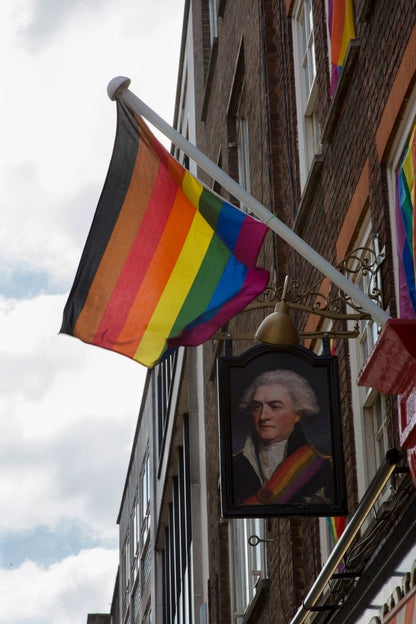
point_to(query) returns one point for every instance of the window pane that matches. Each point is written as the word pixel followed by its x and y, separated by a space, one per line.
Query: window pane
pixel 248 562
pixel 212 19
pixel 369 408
pixel 304 37
pixel 310 15
pixel 306 78
pixel 312 60
pixel 365 349
pixel 306 88
pixel 377 409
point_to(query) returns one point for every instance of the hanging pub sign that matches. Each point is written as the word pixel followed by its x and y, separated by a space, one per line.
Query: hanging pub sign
pixel 280 434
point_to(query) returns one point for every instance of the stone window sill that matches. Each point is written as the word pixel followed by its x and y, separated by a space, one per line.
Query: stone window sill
pixel 262 587
pixel 308 192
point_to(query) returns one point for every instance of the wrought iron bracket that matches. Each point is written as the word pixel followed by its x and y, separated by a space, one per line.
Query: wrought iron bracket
pixel 363 264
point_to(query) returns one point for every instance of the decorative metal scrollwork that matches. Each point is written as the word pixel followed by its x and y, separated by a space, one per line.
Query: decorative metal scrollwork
pixel 361 264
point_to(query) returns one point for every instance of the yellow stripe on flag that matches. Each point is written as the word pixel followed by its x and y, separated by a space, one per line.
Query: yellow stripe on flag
pixel 192 188
pixel 176 291
pixel 408 170
pixel 348 32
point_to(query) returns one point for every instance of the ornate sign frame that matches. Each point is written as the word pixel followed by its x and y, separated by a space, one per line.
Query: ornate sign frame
pixel 300 474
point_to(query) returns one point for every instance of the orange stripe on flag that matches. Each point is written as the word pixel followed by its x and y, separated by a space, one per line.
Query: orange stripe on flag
pixel 338 18
pixel 118 248
pixel 159 271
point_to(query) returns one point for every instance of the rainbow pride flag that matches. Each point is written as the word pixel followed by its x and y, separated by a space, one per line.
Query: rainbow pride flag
pixel 405 228
pixel 336 527
pixel 341 30
pixel 166 262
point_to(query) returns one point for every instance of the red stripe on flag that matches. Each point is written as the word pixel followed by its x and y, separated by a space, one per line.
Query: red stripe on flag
pixel 159 272
pixel 139 259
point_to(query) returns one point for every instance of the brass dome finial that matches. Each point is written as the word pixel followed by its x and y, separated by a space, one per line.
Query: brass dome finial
pixel 278 328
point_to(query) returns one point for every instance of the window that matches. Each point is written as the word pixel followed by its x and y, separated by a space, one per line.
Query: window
pixel 136 553
pixel 137 597
pixel 125 574
pixel 330 528
pixel 212 20
pixel 306 86
pixel 239 144
pixel 146 565
pixel 135 540
pixel 238 127
pixel 248 563
pixel 177 552
pixel 148 616
pixel 145 500
pixel 210 35
pixel 368 405
pixel 163 378
pixel 243 150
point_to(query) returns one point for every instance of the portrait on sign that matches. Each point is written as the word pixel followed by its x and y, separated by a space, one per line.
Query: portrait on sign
pixel 281 447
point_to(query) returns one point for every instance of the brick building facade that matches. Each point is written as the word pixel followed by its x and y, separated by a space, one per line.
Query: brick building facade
pixel 256 95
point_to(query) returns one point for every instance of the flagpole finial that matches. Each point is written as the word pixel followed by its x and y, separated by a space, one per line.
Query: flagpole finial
pixel 116 86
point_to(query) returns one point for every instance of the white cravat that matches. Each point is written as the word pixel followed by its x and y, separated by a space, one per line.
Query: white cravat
pixel 270 456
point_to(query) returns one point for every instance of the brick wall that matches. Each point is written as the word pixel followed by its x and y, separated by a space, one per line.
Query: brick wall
pixel 351 181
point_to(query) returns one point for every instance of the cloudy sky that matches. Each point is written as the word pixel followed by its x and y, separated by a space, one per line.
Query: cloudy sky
pixel 67 410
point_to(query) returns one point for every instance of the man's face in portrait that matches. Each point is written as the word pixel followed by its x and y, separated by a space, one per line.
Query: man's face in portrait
pixel 273 413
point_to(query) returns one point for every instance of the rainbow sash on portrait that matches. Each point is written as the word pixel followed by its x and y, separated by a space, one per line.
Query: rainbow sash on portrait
pixel 289 478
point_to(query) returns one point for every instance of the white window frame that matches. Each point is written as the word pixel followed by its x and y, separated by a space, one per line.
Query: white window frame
pixel 243 153
pixel 325 537
pixel 243 146
pixel 147 618
pixel 367 440
pixel 247 563
pixel 328 37
pixel 144 497
pixel 306 87
pixel 136 601
pixel 212 8
pixel 135 539
pixel 125 575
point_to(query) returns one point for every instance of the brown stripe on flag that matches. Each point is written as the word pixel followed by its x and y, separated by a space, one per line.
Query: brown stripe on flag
pixel 120 243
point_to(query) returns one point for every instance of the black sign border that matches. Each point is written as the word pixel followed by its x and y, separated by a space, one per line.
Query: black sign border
pixel 328 362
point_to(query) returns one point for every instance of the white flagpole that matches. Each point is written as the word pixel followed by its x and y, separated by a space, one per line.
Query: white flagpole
pixel 117 89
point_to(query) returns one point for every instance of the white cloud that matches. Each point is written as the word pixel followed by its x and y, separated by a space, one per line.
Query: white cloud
pixel 75 477
pixel 67 410
pixel 67 413
pixel 61 124
pixel 64 592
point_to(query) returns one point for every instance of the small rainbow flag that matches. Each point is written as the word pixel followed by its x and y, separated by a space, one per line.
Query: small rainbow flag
pixel 405 228
pixel 166 262
pixel 336 527
pixel 341 29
